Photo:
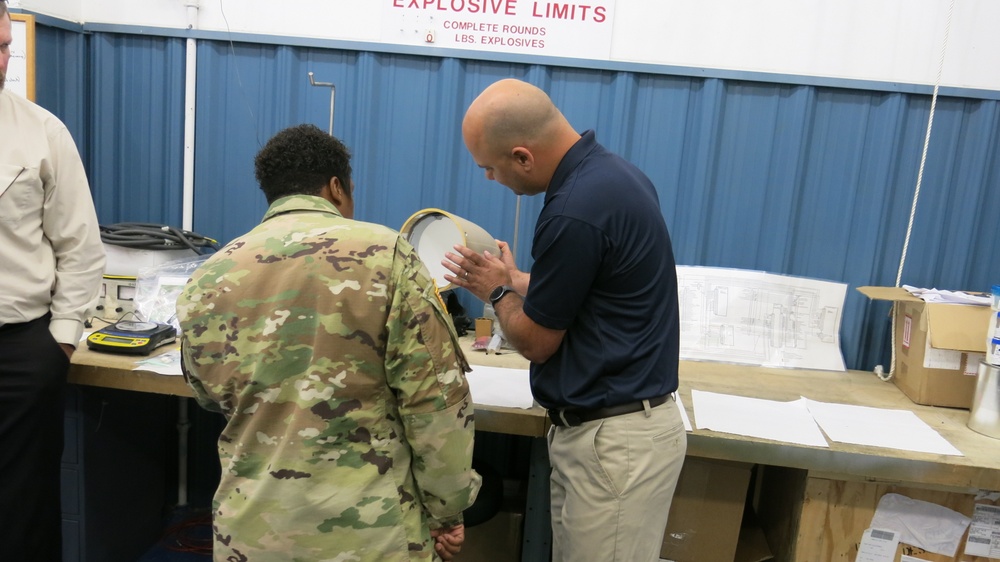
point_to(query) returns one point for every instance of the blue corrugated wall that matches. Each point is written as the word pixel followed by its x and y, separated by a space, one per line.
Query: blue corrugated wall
pixel 794 179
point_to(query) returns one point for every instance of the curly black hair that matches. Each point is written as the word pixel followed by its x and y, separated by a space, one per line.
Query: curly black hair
pixel 300 160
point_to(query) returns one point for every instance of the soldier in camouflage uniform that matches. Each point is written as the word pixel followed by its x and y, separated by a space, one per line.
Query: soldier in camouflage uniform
pixel 324 343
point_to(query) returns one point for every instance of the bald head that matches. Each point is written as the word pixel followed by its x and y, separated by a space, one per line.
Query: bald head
pixel 515 120
pixel 510 113
pixel 514 113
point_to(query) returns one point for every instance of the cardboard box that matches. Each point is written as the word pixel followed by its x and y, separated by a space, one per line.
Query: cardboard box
pixel 707 511
pixel 938 347
pixel 752 545
pixel 484 327
pixel 822 519
pixel 497 540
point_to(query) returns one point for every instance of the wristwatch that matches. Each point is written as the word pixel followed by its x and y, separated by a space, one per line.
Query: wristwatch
pixel 499 293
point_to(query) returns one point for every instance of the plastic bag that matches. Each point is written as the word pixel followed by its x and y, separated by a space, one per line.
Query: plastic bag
pixel 157 289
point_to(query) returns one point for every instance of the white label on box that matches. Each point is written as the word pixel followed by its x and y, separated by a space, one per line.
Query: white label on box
pixel 907 326
pixel 972 363
pixel 935 358
pixel 877 545
pixel 984 532
pixel 987 496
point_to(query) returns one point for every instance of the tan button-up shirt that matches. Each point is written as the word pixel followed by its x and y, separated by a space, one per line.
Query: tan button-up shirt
pixel 51 256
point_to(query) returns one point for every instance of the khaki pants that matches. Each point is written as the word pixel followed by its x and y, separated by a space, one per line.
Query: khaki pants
pixel 612 483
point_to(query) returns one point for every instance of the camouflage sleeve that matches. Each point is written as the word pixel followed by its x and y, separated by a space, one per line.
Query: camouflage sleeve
pixel 425 366
pixel 187 364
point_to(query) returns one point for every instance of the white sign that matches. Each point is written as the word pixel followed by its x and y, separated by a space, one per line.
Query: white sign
pixel 534 27
pixel 16 79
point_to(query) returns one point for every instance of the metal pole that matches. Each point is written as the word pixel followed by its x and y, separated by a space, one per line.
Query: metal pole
pixel 517 224
pixel 333 92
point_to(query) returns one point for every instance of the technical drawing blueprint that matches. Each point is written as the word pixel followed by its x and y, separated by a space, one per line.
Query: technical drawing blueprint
pixel 757 318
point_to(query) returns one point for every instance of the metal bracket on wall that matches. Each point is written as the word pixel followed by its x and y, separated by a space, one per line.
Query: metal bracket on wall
pixel 333 93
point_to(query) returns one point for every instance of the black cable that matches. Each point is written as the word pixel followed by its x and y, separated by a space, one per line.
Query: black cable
pixel 89 323
pixel 154 237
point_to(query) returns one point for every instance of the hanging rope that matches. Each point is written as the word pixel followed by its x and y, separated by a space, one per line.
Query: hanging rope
pixel 916 193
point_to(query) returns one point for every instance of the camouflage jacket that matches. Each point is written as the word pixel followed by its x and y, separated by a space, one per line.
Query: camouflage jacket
pixel 324 343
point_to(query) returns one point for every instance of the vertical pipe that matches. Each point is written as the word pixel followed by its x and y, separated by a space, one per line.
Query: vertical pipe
pixel 190 76
pixel 517 225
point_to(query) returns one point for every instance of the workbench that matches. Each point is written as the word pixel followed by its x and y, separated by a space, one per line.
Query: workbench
pixel 90 368
pixel 814 502
pixel 796 475
pixel 116 371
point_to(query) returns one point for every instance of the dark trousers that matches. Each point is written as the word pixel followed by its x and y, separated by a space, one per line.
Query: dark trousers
pixel 32 384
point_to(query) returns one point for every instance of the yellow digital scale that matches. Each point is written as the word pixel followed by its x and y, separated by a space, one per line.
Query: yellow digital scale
pixel 139 338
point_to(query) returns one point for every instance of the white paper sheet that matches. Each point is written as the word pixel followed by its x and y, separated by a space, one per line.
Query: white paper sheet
pixel 757 318
pixel 498 386
pixel 168 363
pixel 941 295
pixel 930 526
pixel 879 427
pixel 684 413
pixel 754 417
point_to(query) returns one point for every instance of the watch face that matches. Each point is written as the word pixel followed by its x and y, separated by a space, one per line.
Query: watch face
pixel 497 293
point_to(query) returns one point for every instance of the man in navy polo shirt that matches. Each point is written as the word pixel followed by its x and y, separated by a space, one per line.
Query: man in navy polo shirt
pixel 597 317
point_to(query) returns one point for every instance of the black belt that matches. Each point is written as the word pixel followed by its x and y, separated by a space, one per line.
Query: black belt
pixel 17 325
pixel 570 417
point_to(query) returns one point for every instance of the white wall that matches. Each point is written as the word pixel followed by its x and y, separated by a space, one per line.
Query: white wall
pixel 884 40
pixel 71 10
pixel 880 40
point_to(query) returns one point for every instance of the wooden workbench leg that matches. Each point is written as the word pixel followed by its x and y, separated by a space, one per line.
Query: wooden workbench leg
pixel 537 542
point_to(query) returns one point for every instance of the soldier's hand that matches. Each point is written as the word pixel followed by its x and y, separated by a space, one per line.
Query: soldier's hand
pixel 448 541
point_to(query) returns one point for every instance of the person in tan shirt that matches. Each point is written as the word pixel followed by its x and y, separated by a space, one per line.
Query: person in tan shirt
pixel 53 260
